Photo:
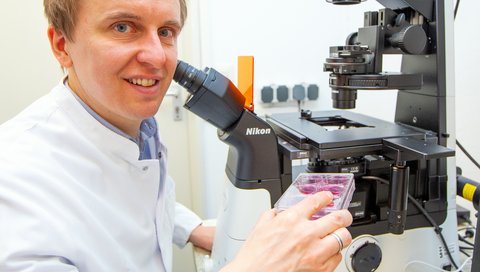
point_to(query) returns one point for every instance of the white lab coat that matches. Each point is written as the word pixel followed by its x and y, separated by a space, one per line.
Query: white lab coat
pixel 75 197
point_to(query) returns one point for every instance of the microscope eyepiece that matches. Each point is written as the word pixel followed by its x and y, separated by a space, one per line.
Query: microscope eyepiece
pixel 189 77
pixel 213 97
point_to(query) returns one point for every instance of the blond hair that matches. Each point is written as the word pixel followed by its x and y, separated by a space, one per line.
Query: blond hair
pixel 62 14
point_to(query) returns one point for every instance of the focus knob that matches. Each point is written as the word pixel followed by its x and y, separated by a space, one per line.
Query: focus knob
pixel 367 258
pixel 411 39
pixel 363 254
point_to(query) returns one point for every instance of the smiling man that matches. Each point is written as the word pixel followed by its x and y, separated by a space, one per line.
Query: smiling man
pixel 120 57
pixel 93 193
pixel 83 182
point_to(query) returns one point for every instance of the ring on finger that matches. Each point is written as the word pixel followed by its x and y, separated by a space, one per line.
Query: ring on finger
pixel 339 240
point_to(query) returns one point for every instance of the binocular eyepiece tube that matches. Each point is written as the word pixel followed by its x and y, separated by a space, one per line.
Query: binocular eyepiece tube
pixel 189 77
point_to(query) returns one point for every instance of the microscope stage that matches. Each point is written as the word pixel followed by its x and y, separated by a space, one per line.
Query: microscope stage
pixel 332 133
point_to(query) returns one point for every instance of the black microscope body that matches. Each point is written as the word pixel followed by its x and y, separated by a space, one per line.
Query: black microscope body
pixel 390 160
pixel 409 153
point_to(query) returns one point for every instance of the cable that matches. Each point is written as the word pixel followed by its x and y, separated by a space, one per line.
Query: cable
pixel 439 269
pixel 467 248
pixel 465 241
pixel 456 9
pixel 436 268
pixel 381 180
pixel 467 154
pixel 436 228
pixel 465 217
pixel 466 228
pixel 464 253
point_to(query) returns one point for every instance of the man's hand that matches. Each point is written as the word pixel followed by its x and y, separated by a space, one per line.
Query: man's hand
pixel 202 237
pixel 291 241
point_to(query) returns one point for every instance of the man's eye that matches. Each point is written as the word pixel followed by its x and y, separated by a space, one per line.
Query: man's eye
pixel 122 27
pixel 165 32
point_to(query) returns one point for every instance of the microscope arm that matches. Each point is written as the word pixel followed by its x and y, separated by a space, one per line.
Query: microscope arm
pixel 401 28
pixel 252 161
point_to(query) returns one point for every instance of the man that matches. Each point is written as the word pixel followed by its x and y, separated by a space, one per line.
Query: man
pixel 83 185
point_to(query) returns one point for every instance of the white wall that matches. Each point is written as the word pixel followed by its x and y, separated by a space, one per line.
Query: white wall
pixel 467 88
pixel 290 42
pixel 27 67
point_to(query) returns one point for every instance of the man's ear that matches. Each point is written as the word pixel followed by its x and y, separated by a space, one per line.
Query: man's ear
pixel 58 43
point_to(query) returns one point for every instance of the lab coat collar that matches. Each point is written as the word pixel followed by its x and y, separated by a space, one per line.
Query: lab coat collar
pixel 102 136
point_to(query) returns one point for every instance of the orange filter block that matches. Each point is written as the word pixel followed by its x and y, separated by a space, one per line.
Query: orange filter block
pixel 245 80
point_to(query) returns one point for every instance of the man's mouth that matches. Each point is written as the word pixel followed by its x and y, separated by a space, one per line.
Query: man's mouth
pixel 143 82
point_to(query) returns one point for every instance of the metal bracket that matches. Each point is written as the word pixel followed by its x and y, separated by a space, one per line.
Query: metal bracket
pixel 409 149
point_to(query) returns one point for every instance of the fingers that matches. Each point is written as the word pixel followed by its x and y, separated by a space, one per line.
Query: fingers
pixel 312 204
pixel 339 240
pixel 336 241
pixel 332 221
pixel 295 232
pixel 330 246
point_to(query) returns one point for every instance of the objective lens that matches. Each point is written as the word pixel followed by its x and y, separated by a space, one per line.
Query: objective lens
pixel 344 98
pixel 189 77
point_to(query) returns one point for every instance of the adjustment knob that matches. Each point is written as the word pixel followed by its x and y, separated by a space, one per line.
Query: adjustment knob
pixel 363 254
pixel 411 39
pixel 367 258
pixel 305 114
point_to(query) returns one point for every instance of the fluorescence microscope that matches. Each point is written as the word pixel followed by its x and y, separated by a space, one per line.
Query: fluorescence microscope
pixel 404 203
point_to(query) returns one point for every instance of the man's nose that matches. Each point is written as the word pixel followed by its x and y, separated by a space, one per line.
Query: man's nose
pixel 152 52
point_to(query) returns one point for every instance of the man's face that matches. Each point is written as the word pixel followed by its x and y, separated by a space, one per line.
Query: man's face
pixel 123 56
